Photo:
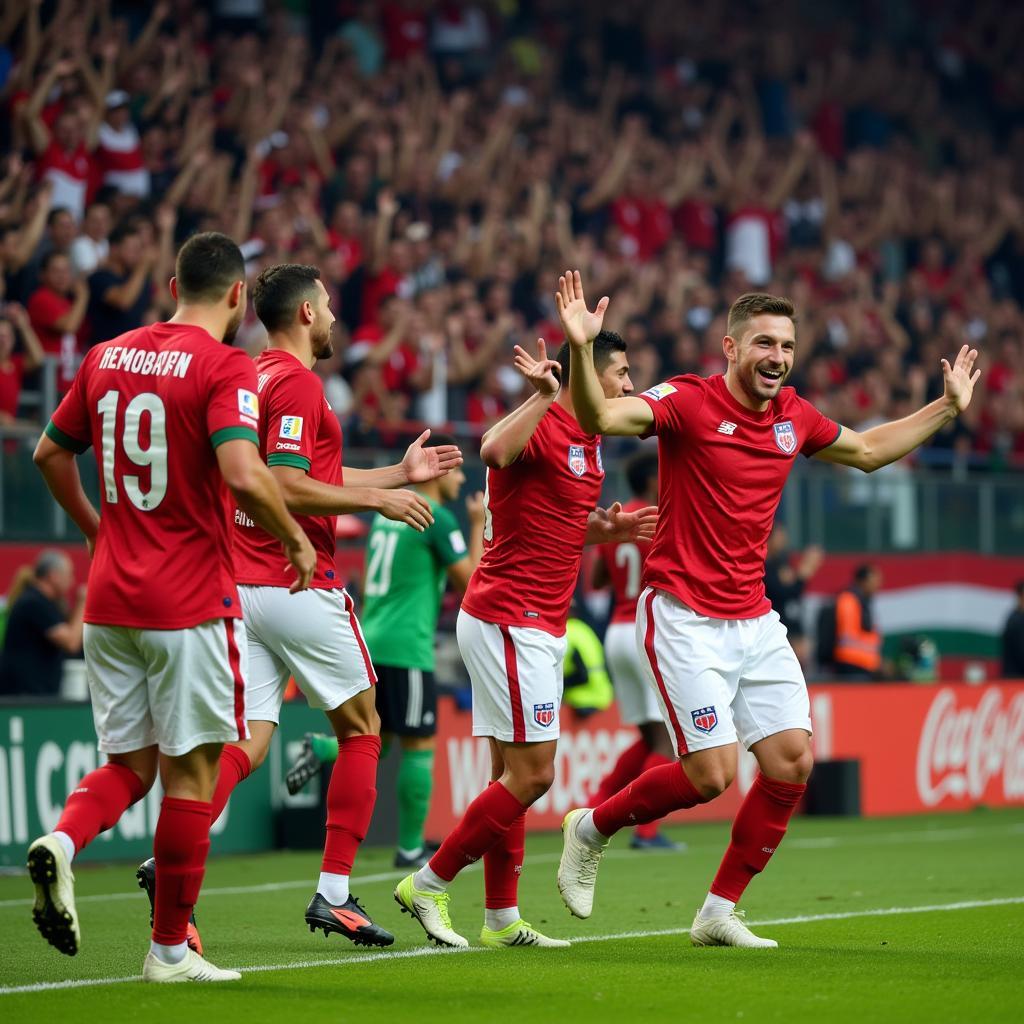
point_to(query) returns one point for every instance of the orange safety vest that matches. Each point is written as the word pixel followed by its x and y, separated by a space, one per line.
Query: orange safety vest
pixel 855 645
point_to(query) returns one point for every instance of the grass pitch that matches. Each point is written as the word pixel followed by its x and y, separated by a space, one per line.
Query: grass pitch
pixel 905 919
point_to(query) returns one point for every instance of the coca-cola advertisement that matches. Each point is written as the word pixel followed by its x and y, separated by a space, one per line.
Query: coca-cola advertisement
pixel 920 749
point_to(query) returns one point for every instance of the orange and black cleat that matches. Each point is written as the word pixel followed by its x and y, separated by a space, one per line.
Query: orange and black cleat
pixel 147 881
pixel 348 919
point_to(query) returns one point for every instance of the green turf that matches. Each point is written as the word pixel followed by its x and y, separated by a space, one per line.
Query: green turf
pixel 938 965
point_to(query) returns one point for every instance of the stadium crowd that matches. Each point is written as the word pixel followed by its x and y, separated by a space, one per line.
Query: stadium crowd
pixel 443 161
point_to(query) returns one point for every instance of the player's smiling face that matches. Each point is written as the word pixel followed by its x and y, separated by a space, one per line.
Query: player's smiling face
pixel 762 357
pixel 614 377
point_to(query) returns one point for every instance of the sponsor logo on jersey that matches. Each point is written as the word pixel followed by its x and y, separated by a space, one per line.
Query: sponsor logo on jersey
pixel 705 719
pixel 248 404
pixel 725 427
pixel 660 391
pixel 457 541
pixel 600 463
pixel 785 436
pixel 284 446
pixel 577 459
pixel 291 427
pixel 544 714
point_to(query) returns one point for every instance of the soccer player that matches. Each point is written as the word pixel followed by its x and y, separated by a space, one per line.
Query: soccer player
pixel 405 576
pixel 543 481
pixel 619 566
pixel 172 414
pixel 715 648
pixel 315 636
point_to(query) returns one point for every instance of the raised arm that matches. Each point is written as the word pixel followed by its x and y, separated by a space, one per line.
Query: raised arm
pixel 596 413
pixel 888 442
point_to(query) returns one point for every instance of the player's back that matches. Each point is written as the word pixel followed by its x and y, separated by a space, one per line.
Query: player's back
pixel 155 403
pixel 624 561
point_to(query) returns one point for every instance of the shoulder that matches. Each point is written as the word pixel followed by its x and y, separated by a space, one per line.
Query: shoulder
pixel 684 384
pixel 444 518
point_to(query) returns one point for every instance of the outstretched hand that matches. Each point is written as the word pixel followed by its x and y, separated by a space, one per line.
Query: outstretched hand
pixel 613 524
pixel 580 325
pixel 422 464
pixel 538 371
pixel 959 380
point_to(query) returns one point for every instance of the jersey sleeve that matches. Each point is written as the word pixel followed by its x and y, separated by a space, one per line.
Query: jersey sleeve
pixel 819 431
pixel 232 410
pixel 673 403
pixel 446 537
pixel 70 424
pixel 294 406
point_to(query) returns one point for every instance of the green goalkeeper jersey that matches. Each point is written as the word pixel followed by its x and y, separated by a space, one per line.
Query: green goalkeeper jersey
pixel 404 582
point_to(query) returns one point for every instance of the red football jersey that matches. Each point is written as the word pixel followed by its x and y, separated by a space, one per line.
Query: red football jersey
pixel 624 561
pixel 155 403
pixel 536 523
pixel 721 470
pixel 297 428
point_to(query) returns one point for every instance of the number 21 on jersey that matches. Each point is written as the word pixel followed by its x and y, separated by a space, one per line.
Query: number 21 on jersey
pixel 154 455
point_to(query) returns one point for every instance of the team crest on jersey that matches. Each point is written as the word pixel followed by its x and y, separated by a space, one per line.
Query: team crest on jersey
pixel 785 436
pixel 544 714
pixel 705 719
pixel 600 464
pixel 577 459
pixel 248 404
pixel 291 427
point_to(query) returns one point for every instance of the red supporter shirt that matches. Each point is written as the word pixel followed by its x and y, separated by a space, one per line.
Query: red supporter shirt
pixel 297 428
pixel 10 385
pixel 155 403
pixel 722 468
pixel 536 522
pixel 45 307
pixel 624 561
pixel 71 174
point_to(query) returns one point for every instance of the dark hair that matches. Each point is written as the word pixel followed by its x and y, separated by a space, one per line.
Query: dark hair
pixel 124 229
pixel 862 572
pixel 746 307
pixel 437 438
pixel 606 344
pixel 52 255
pixel 280 290
pixel 639 470
pixel 208 265
pixel 51 217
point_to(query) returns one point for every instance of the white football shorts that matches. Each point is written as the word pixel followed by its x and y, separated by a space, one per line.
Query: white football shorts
pixel 720 679
pixel 516 674
pixel 313 635
pixel 177 688
pixel 636 697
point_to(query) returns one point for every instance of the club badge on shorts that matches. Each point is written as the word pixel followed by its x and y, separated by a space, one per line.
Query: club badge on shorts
pixel 785 436
pixel 705 719
pixel 577 459
pixel 544 714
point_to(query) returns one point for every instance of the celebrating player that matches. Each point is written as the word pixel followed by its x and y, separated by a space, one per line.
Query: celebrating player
pixel 543 481
pixel 405 578
pixel 172 413
pixel 315 637
pixel 619 565
pixel 715 649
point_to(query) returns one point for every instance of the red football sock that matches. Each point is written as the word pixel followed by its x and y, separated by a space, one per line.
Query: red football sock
pixel 650 829
pixel 503 864
pixel 180 846
pixel 98 802
pixel 234 767
pixel 756 833
pixel 350 798
pixel 629 765
pixel 650 797
pixel 485 821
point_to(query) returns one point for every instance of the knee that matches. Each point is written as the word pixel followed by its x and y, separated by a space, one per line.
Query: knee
pixel 257 755
pixel 710 780
pixel 535 782
pixel 800 767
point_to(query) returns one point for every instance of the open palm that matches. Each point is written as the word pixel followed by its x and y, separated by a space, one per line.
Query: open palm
pixel 580 325
pixel 959 381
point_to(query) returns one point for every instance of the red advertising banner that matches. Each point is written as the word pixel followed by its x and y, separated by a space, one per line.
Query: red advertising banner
pixel 920 748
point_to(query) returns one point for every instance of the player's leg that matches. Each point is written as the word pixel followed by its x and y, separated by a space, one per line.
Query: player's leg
pixel 125 732
pixel 659 752
pixel 515 766
pixel 197 702
pixel 694 664
pixel 772 714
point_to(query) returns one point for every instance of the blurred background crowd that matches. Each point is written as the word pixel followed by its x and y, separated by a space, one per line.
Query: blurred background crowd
pixel 443 160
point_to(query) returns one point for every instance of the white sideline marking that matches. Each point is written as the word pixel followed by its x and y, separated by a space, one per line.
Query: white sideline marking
pixel 938 835
pixel 405 954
